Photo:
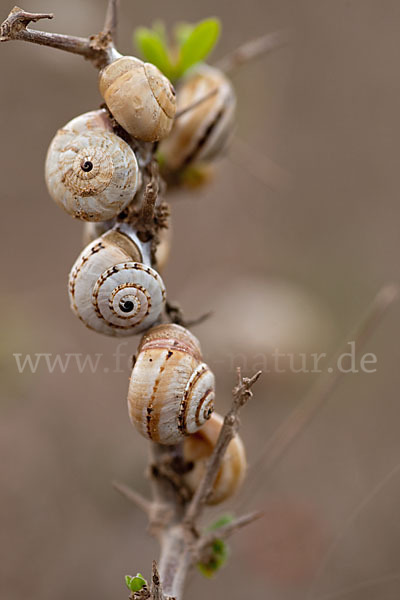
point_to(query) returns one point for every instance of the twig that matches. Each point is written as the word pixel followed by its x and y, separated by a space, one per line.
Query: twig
pixel 175 313
pixel 156 587
pixel 190 107
pixel 326 384
pixel 133 496
pixel 249 51
pixel 19 19
pixel 98 48
pixel 355 513
pixel 253 49
pixel 241 394
pixel 222 533
pixel 111 20
pixel 260 166
pixel 150 197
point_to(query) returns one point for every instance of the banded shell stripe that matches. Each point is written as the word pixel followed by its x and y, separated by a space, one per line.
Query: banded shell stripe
pixel 187 396
pixel 200 406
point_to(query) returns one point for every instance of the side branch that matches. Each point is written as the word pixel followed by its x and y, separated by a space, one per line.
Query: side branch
pixel 98 49
pixel 253 49
pixel 156 587
pixel 133 496
pixel 18 20
pixel 241 394
pixel 223 533
pixel 111 21
pixel 326 383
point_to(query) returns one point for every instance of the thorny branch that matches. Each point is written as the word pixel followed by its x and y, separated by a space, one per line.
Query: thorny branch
pixel 327 382
pixel 253 49
pixel 241 394
pixel 325 385
pixel 226 531
pixel 111 20
pixel 173 516
pixel 99 49
pixel 176 314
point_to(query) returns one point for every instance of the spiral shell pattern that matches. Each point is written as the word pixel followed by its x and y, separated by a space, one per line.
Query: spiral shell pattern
pixel 140 98
pixel 112 291
pixel 171 391
pixel 197 449
pixel 91 172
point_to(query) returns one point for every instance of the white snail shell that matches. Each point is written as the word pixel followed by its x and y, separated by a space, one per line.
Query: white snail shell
pixel 203 132
pixel 113 288
pixel 197 449
pixel 140 98
pixel 90 171
pixel 171 391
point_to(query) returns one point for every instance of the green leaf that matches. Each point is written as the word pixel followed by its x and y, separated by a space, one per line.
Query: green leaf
pixel 198 44
pixel 218 558
pixel 135 583
pixel 221 522
pixel 219 549
pixel 153 49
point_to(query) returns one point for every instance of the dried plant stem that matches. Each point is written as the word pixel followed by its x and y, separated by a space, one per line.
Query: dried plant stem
pixel 156 587
pixel 176 314
pixel 326 383
pixel 227 530
pixel 98 49
pixel 254 49
pixel 133 496
pixel 111 20
pixel 172 514
pixel 173 518
pixel 146 222
pixel 241 394
pixel 198 102
pixel 260 166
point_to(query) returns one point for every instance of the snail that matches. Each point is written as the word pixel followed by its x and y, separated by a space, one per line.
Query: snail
pixel 140 98
pixel 197 449
pixel 202 132
pixel 90 171
pixel 112 287
pixel 171 390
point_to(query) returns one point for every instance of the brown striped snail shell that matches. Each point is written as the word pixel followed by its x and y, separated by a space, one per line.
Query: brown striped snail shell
pixel 90 171
pixel 171 390
pixel 112 287
pixel 202 133
pixel 197 449
pixel 140 98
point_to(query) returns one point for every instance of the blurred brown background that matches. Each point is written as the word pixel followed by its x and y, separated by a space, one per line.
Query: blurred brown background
pixel 292 271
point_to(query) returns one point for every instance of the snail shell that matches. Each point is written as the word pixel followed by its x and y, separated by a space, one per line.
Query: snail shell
pixel 197 449
pixel 171 391
pixel 112 288
pixel 203 132
pixel 140 98
pixel 90 171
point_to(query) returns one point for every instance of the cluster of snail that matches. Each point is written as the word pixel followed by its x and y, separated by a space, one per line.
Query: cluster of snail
pixel 96 169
